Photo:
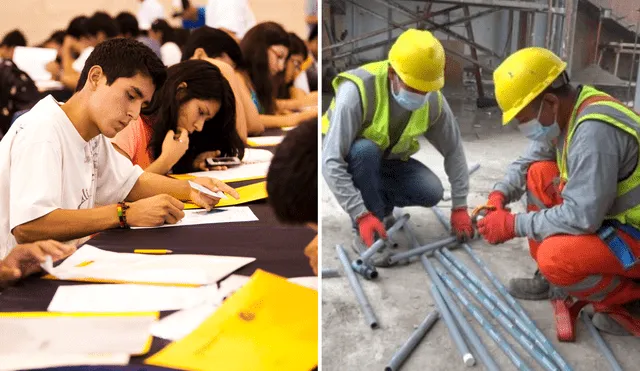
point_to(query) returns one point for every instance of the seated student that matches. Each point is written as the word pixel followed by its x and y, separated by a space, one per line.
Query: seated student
pixel 9 43
pixel 220 49
pixel 99 27
pixel 165 36
pixel 265 48
pixel 312 70
pixel 24 260
pixel 195 96
pixel 54 41
pixel 289 96
pixel 292 182
pixel 63 178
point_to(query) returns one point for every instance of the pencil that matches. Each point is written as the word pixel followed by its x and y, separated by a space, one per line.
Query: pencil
pixel 151 251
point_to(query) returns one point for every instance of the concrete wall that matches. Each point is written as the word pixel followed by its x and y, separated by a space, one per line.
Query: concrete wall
pixel 38 18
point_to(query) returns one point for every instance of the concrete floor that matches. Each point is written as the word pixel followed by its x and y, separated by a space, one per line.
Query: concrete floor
pixel 400 296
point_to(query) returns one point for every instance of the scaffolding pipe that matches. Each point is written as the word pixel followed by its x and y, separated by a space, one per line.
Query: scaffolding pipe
pixel 615 366
pixel 410 345
pixel 365 306
pixel 382 242
pixel 329 273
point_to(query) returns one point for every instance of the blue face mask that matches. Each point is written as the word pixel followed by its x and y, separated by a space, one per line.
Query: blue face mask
pixel 534 130
pixel 408 100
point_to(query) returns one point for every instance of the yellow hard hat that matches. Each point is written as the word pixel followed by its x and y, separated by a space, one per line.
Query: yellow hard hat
pixel 522 77
pixel 418 59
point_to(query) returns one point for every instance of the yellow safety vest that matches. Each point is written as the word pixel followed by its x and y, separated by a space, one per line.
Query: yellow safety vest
pixel 626 207
pixel 372 81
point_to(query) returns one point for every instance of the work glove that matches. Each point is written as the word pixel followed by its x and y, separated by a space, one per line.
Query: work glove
pixel 461 225
pixel 497 227
pixel 368 224
pixel 497 199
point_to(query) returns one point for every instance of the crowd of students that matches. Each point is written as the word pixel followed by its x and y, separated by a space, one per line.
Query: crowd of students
pixel 139 105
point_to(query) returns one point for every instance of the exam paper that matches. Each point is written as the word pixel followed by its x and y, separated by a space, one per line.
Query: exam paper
pixel 127 298
pixel 256 155
pixel 218 215
pixel 12 362
pixel 33 61
pixel 83 333
pixel 238 173
pixel 90 264
pixel 310 282
pixel 266 141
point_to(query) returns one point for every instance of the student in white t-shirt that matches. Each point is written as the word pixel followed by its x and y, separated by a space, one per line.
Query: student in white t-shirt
pixel 164 34
pixel 62 178
pixel 149 11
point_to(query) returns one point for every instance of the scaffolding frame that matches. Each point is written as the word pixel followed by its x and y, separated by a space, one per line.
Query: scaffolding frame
pixel 425 20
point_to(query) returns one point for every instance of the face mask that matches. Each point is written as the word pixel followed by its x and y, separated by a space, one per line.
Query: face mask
pixel 534 130
pixel 408 100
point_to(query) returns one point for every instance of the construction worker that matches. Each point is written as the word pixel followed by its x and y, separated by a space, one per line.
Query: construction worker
pixel 582 178
pixel 372 128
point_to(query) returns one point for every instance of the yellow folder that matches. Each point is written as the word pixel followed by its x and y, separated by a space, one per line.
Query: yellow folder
pixel 270 324
pixel 249 193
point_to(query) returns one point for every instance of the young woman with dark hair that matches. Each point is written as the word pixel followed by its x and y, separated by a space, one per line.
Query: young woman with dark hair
pixel 265 49
pixel 289 96
pixel 192 117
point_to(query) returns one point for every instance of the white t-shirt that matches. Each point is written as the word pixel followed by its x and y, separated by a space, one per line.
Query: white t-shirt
pixel 234 15
pixel 78 64
pixel 171 54
pixel 302 82
pixel 150 10
pixel 47 165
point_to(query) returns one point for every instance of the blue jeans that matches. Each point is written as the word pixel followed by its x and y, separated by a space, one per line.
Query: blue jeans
pixel 388 183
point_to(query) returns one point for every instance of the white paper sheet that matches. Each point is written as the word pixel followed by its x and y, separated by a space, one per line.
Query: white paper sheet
pixel 43 85
pixel 266 141
pixel 12 362
pixel 141 268
pixel 33 61
pixel 180 324
pixel 256 155
pixel 129 334
pixel 232 214
pixel 242 172
pixel 310 281
pixel 122 298
pixel 207 191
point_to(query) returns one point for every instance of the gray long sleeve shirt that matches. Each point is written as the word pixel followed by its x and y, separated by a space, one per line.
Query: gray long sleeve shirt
pixel 347 126
pixel 600 155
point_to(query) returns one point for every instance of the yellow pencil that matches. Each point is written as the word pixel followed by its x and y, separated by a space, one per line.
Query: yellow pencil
pixel 144 251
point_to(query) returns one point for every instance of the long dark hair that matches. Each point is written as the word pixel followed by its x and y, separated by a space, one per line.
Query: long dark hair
pixel 255 48
pixel 168 33
pixel 296 47
pixel 205 82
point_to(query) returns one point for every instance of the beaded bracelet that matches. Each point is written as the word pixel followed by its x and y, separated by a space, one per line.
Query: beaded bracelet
pixel 122 215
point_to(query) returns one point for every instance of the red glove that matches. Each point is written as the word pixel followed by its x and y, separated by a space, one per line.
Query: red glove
pixel 461 224
pixel 367 225
pixel 498 227
pixel 497 199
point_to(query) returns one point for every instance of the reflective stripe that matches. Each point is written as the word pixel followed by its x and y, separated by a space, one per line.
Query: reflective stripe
pixel 535 201
pixel 602 294
pixel 606 109
pixel 368 105
pixel 585 284
pixel 626 202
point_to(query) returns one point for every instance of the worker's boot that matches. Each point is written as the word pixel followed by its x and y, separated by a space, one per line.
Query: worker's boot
pixel 536 288
pixel 609 320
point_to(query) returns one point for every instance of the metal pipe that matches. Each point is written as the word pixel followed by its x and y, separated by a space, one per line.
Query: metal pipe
pixel 595 56
pixel 547 38
pixel 329 273
pixel 472 170
pixel 454 332
pixel 570 13
pixel 543 343
pixel 504 321
pixel 369 316
pixel 474 55
pixel 615 366
pixel 382 242
pixel 506 4
pixel 633 58
pixel 365 270
pixel 405 351
pixel 447 306
pixel 478 316
pixel 428 248
pixel 497 284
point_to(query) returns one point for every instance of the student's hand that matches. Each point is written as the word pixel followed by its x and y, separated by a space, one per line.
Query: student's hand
pixel 25 259
pixel 174 149
pixel 200 163
pixel 311 251
pixel 215 185
pixel 53 68
pixel 311 99
pixel 155 211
